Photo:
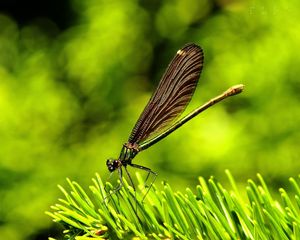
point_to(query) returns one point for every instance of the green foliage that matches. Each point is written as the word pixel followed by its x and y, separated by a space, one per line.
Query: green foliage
pixel 210 212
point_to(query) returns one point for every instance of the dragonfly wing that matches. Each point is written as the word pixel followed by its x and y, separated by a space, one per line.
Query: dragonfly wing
pixel 172 95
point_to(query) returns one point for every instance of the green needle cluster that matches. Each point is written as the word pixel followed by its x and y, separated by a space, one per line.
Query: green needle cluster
pixel 209 212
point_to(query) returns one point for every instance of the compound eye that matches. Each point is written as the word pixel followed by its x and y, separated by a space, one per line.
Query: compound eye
pixel 116 163
pixel 109 161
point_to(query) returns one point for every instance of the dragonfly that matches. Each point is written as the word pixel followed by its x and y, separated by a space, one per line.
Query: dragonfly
pixel 161 116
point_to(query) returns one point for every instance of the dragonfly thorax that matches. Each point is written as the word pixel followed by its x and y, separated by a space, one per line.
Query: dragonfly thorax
pixel 128 152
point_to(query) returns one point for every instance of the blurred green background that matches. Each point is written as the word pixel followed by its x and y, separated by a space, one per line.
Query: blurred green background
pixel 75 76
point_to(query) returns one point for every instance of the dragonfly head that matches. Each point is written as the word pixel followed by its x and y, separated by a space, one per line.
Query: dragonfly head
pixel 113 164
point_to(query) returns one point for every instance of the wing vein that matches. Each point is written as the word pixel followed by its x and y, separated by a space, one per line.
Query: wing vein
pixel 172 95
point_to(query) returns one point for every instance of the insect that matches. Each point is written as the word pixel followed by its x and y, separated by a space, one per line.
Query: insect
pixel 169 100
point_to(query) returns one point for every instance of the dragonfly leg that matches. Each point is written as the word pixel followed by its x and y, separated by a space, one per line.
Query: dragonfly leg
pixel 130 179
pixel 149 172
pixel 116 189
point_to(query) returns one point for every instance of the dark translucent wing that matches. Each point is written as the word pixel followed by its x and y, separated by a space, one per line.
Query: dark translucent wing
pixel 172 95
